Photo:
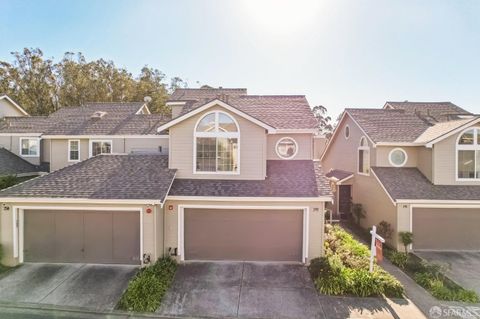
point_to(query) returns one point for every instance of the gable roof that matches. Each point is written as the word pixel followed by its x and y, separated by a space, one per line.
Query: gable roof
pixel 135 177
pixel 433 112
pixel 117 119
pixel 11 164
pixel 294 178
pixel 278 111
pixel 444 129
pixel 408 183
pixel 339 175
pixel 18 107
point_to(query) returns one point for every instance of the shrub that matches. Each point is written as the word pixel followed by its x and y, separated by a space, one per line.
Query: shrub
pixel 397 258
pixel 406 238
pixel 145 292
pixel 358 211
pixel 345 269
pixel 384 229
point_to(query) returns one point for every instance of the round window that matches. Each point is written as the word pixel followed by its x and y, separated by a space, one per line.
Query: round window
pixel 287 148
pixel 398 157
pixel 347 131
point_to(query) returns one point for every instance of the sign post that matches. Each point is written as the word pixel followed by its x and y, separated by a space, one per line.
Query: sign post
pixel 373 248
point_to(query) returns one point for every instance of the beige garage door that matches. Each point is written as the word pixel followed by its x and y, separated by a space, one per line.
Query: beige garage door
pixel 446 229
pixel 253 235
pixel 111 237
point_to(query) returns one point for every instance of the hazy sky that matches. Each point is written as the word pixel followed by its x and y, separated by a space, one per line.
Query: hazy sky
pixel 356 53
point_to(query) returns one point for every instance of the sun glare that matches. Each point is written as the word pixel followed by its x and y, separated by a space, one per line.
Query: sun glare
pixel 282 16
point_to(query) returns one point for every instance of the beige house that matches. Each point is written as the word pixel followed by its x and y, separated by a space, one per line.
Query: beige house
pixel 230 176
pixel 413 165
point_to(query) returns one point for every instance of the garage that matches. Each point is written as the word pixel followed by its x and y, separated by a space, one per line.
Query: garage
pixel 446 228
pixel 76 236
pixel 243 234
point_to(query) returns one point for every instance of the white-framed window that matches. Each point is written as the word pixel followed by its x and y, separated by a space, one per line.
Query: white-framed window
pixel 73 150
pixel 216 144
pixel 398 157
pixel 29 146
pixel 363 150
pixel 347 132
pixel 468 155
pixel 286 148
pixel 98 147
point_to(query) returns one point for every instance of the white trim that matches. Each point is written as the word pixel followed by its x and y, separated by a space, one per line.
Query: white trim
pixel 69 151
pixel 339 182
pixel 181 223
pixel 216 135
pixel 294 142
pixel 18 253
pixel 399 144
pixel 86 201
pixel 296 131
pixel 14 104
pixel 438 202
pixel 15 232
pixel 90 146
pixel 250 199
pixel 346 132
pixel 475 147
pixel 384 189
pixel 29 138
pixel 463 127
pixel 363 148
pixel 175 103
pixel 206 106
pixel 22 134
pixel 390 157
pixel 144 106
pixel 21 235
pixel 62 137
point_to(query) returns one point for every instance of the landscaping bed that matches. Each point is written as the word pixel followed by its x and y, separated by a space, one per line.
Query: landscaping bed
pixel 146 291
pixel 428 275
pixel 344 270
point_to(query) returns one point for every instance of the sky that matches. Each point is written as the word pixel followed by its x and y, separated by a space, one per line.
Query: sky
pixel 357 53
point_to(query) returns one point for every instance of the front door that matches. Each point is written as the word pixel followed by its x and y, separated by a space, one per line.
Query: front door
pixel 344 201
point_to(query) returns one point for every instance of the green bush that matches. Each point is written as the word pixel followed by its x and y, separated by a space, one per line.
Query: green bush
pixel 345 269
pixel 146 291
pixel 397 258
pixel 7 181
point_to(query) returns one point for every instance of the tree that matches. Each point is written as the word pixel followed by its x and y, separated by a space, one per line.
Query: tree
pixel 323 120
pixel 406 238
pixel 358 211
pixel 41 86
pixel 30 81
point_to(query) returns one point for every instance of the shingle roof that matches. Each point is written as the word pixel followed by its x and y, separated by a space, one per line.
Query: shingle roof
pixel 120 119
pixel 11 164
pixel 338 174
pixel 296 178
pixel 279 111
pixel 410 183
pixel 384 125
pixel 431 111
pixel 103 177
pixel 443 128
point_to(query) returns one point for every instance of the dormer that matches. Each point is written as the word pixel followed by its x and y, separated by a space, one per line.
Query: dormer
pixel 98 115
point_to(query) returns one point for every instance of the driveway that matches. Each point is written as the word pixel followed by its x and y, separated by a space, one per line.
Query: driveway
pixel 262 290
pixel 463 266
pixel 87 286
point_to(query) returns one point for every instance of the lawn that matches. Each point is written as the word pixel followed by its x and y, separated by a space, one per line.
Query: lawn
pixel 344 270
pixel 146 291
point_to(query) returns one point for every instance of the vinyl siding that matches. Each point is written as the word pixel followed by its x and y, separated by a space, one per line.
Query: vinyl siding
pixel 304 142
pixel 316 221
pixel 7 109
pixel 445 168
pixel 382 156
pixel 425 162
pixel 12 143
pixel 253 142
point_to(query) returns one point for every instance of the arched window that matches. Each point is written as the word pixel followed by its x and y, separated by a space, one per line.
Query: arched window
pixel 216 144
pixel 468 154
pixel 363 157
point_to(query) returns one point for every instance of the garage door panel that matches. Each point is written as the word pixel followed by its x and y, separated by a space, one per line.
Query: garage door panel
pixel 126 238
pixel 264 235
pixel 98 237
pixel 68 236
pixel 446 229
pixel 38 240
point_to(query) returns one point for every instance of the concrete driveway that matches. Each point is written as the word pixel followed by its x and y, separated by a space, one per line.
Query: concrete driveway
pixel 262 290
pixel 87 286
pixel 463 266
